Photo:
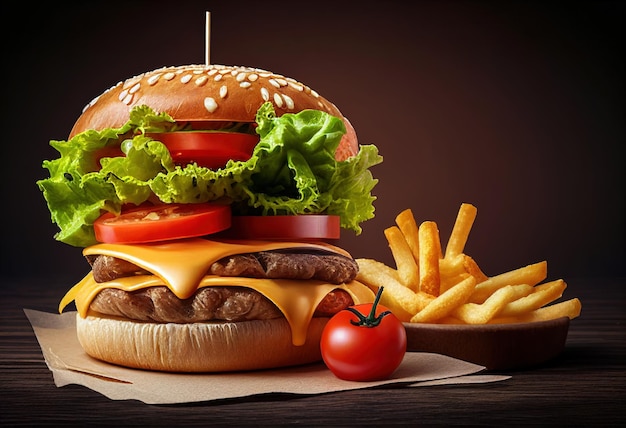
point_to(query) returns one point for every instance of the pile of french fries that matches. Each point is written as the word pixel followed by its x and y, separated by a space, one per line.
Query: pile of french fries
pixel 430 286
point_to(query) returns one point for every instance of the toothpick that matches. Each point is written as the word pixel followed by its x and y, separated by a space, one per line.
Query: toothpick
pixel 207 41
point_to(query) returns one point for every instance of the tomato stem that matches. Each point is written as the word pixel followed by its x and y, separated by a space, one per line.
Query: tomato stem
pixel 371 320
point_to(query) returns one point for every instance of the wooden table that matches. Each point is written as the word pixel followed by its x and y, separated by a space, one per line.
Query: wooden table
pixel 584 386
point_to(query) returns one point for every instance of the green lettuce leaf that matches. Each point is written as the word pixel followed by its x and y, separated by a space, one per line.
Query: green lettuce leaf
pixel 291 171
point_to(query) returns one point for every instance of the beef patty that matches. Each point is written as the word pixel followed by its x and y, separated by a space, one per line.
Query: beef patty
pixel 159 304
pixel 328 267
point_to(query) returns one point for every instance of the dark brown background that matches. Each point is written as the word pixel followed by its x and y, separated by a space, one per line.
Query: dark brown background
pixel 516 107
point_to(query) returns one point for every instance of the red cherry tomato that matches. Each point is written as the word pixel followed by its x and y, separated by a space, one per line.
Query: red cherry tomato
pixel 362 347
pixel 162 223
pixel 207 148
pixel 284 227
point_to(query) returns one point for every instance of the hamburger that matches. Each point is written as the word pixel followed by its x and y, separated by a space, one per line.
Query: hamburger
pixel 208 200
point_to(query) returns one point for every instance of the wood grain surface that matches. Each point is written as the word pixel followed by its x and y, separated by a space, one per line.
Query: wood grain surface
pixel 584 386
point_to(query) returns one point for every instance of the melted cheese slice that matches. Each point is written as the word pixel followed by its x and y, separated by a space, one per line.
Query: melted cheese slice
pixel 182 267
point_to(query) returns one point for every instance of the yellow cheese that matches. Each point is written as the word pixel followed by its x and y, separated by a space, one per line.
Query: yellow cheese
pixel 183 263
pixel 182 267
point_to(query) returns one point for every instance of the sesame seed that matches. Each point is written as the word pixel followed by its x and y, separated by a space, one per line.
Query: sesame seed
pixel 186 78
pixel 134 88
pixel 201 81
pixel 253 77
pixel 210 104
pixel 265 94
pixel 240 77
pixel 245 84
pixel 282 82
pixel 274 83
pixel 128 99
pixel 123 95
pixel 218 77
pixel 296 86
pixel 223 91
pixel 152 80
pixel 169 76
pixel 278 100
pixel 315 94
pixel 288 101
pixel 130 82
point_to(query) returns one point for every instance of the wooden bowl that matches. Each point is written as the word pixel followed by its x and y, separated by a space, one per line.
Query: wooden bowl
pixel 494 346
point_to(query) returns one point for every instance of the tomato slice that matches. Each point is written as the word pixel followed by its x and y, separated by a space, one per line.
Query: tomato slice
pixel 210 149
pixel 108 152
pixel 349 144
pixel 162 223
pixel 207 148
pixel 284 227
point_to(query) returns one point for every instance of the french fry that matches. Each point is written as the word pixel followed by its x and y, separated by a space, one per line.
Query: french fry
pixel 403 256
pixel 473 269
pixel 430 253
pixel 374 269
pixel 406 222
pixel 473 313
pixel 460 232
pixel 441 306
pixel 398 298
pixel 452 266
pixel 531 274
pixel 542 295
pixel 448 281
pixel 452 270
pixel 370 269
pixel 428 286
pixel 568 308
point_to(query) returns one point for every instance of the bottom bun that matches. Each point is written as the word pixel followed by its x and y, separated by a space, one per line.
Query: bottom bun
pixel 197 347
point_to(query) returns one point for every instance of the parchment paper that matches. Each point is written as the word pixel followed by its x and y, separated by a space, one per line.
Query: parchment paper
pixel 71 365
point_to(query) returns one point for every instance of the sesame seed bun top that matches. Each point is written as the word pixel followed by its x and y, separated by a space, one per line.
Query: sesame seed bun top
pixel 201 93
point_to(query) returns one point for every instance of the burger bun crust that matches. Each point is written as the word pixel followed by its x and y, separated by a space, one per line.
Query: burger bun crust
pixel 201 93
pixel 197 347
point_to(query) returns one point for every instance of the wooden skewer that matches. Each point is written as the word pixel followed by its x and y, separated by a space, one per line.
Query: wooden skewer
pixel 207 39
